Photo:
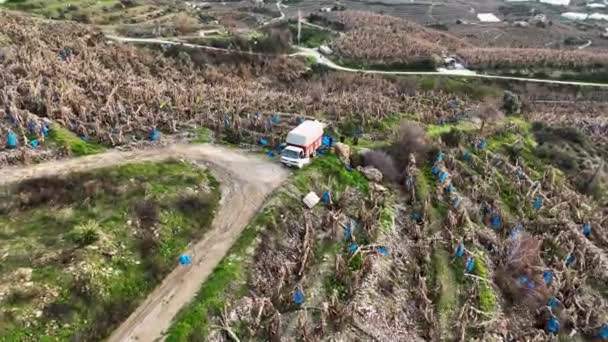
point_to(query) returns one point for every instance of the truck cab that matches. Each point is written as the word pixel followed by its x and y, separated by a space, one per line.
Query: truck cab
pixel 294 156
pixel 302 143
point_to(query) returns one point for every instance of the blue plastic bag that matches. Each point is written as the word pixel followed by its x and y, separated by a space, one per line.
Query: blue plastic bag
pixel 470 265
pixel 327 141
pixel 548 277
pixel 553 303
pixel 154 135
pixel 587 229
pixel 34 143
pixel 383 251
pixel 496 221
pixel 440 156
pixel 298 296
pixel 459 250
pixel 347 233
pixel 11 140
pixel 449 188
pixel 523 280
pixel 326 197
pixel 570 259
pixel 31 126
pixel 552 325
pixel 263 142
pixel 353 247
pixel 603 334
pixel 270 154
pixel 185 259
pixel 44 130
pixel 435 169
pixel 443 176
pixel 538 203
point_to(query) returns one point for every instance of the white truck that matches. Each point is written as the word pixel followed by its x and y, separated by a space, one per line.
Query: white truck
pixel 302 143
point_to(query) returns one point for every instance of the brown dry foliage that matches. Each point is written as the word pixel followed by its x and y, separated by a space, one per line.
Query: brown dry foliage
pixel 112 92
pixel 522 259
pixel 379 39
pixel 494 58
pixel 383 39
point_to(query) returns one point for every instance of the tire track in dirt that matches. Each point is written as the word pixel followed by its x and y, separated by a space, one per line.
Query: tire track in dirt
pixel 245 181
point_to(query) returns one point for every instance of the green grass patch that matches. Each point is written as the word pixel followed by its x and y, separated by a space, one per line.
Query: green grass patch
pixel 387 215
pixel 311 37
pixel 487 297
pixel 435 131
pixel 72 143
pixel 100 225
pixel 331 168
pixel 471 87
pixel 425 182
pixel 443 280
pixel 202 135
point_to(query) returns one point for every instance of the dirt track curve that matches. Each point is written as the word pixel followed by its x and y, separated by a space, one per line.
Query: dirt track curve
pixel 245 181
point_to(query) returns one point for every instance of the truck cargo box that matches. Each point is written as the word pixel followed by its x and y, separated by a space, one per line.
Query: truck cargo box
pixel 305 134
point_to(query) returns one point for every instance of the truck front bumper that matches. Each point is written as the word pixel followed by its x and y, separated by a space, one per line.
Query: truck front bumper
pixel 291 162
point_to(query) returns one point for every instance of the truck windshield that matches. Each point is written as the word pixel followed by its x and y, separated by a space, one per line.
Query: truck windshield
pixel 290 154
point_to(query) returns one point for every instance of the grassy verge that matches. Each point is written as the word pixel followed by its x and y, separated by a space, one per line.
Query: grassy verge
pixel 487 297
pixel 443 280
pixel 192 322
pixel 311 37
pixel 337 176
pixel 80 252
pixel 202 135
pixel 72 143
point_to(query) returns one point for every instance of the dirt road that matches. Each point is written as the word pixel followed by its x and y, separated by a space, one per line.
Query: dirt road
pixel 245 180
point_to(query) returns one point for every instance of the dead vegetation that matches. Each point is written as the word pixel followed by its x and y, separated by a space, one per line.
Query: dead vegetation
pixel 114 94
pixel 409 44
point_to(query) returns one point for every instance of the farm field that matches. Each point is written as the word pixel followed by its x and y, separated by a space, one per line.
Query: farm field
pixel 476 254
pixel 451 208
pixel 79 252
pixel 417 47
pixel 445 14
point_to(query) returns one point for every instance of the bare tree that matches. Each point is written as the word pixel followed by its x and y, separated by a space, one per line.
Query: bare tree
pixel 488 112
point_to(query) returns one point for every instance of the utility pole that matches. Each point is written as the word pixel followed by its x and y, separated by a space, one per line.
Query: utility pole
pixel 299 26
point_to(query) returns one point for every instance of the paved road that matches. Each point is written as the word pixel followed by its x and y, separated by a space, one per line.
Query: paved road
pixel 328 63
pixel 463 73
pixel 245 181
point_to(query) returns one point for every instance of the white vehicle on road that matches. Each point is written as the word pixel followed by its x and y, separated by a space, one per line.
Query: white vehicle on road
pixel 302 143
